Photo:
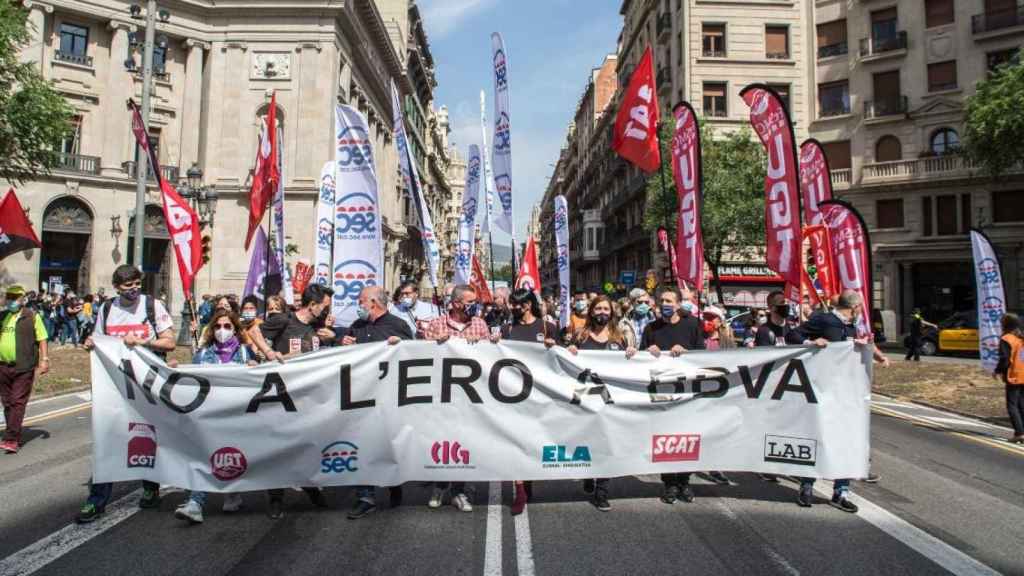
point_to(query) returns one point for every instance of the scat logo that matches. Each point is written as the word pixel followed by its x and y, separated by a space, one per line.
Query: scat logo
pixel 355 216
pixel 500 70
pixel 228 463
pixel 350 277
pixel 339 457
pixel 354 151
pixel 502 136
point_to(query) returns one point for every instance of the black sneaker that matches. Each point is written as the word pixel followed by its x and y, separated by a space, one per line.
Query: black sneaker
pixel 718 478
pixel 316 497
pixel 686 493
pixel 806 496
pixel 275 509
pixel 150 499
pixel 671 494
pixel 843 503
pixel 88 513
pixel 600 502
pixel 872 478
pixel 396 496
pixel 769 478
pixel 362 508
pixel 588 486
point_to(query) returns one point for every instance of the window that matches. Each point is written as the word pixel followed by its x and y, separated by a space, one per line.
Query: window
pixel 834 98
pixel 1008 206
pixel 888 99
pixel 942 76
pixel 938 12
pixel 888 149
pixel 1000 14
pixel 996 59
pixel 159 60
pixel 714 100
pixel 776 42
pixel 945 141
pixel 965 213
pixel 945 212
pixel 883 26
pixel 926 215
pixel 714 40
pixel 946 215
pixel 74 40
pixel 889 213
pixel 783 91
pixel 832 38
pixel 838 154
pixel 69 144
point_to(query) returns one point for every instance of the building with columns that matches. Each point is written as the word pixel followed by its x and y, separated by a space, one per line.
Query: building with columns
pixel 216 65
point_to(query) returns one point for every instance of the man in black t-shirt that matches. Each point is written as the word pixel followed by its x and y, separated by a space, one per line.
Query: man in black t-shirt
pixel 677 331
pixel 296 332
pixel 775 332
pixel 527 324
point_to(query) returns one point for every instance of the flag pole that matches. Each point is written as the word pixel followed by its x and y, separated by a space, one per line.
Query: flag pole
pixel 668 208
pixel 266 270
pixel 490 252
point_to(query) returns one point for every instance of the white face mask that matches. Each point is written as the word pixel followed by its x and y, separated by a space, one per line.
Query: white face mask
pixel 407 302
pixel 223 335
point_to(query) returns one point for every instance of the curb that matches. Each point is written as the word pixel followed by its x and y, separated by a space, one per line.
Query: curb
pixel 54 394
pixel 984 419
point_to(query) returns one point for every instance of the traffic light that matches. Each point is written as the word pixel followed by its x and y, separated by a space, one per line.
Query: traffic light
pixel 206 244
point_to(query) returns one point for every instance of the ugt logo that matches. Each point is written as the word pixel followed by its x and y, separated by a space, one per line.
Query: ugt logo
pixel 354 216
pixel 449 453
pixel 350 277
pixel 353 149
pixel 502 135
pixel 759 102
pixel 500 70
pixel 339 457
pixel 988 272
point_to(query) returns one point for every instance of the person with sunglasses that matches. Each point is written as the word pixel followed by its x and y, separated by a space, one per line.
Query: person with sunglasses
pixel 138 320
pixel 223 342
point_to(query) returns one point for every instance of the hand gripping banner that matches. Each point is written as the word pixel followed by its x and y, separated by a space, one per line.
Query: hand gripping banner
pixel 783 239
pixel 686 170
pixel 815 180
pixel 988 278
pixel 382 415
pixel 562 250
pixel 467 220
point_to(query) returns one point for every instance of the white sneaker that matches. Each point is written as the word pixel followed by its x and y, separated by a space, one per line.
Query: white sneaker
pixel 461 501
pixel 435 498
pixel 190 511
pixel 232 503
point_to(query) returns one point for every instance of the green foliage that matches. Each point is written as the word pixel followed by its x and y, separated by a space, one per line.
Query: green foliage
pixel 732 214
pixel 994 137
pixel 33 116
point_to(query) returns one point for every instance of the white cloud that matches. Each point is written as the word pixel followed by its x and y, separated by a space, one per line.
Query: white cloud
pixel 444 16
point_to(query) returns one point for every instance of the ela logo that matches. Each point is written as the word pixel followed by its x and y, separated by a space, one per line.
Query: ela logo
pixel 141 445
pixel 790 450
pixel 675 447
pixel 558 456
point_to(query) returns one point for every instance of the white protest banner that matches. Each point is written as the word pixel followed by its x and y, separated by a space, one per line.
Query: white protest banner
pixel 562 250
pixel 467 220
pixel 991 298
pixel 358 252
pixel 502 137
pixel 376 414
pixel 325 226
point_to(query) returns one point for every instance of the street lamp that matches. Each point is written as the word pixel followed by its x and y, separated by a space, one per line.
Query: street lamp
pixel 202 199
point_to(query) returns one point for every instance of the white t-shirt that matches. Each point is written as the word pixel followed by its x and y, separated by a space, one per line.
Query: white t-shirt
pixel 123 322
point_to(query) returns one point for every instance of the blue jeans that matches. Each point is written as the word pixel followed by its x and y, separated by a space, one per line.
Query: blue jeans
pixel 839 487
pixel 366 494
pixel 99 493
pixel 198 497
pixel 70 331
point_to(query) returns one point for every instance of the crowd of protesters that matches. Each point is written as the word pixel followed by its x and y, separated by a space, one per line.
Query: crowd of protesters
pixel 668 321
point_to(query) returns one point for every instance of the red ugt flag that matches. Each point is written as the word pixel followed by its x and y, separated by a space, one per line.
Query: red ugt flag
pixel 528 276
pixel 636 124
pixel 266 174
pixel 479 282
pixel 16 233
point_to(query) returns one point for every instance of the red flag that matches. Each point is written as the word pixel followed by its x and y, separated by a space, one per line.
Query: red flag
pixel 821 250
pixel 686 171
pixel 781 183
pixel 16 233
pixel 266 175
pixel 815 179
pixel 528 276
pixel 851 250
pixel 479 282
pixel 808 287
pixel 636 124
pixel 182 222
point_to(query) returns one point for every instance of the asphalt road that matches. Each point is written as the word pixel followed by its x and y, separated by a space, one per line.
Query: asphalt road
pixel 951 500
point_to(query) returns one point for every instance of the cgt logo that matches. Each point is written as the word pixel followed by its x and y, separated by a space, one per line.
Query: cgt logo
pixel 558 456
pixel 448 454
pixel 354 152
pixel 790 450
pixel 349 279
pixel 675 447
pixel 339 457
pixel 355 215
pixel 228 463
pixel 141 445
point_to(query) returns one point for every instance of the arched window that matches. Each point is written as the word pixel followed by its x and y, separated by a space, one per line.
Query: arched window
pixel 945 141
pixel 888 149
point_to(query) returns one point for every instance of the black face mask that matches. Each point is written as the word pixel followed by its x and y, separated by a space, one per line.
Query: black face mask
pixel 781 310
pixel 518 314
pixel 601 319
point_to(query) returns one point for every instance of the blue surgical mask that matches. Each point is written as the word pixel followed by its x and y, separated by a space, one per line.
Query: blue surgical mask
pixel 688 307
pixel 668 311
pixel 249 315
pixel 362 313
pixel 581 306
pixel 643 309
pixel 13 306
pixel 473 309
pixel 406 303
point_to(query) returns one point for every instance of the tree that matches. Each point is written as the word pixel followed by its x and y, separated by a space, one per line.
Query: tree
pixel 732 213
pixel 33 116
pixel 994 136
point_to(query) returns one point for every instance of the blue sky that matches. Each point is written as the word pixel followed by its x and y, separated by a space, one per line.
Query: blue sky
pixel 552 45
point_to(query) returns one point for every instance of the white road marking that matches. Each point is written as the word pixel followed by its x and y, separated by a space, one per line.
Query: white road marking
pixel 953 560
pixel 779 560
pixel 492 543
pixel 929 413
pixel 524 544
pixel 37 417
pixel 960 421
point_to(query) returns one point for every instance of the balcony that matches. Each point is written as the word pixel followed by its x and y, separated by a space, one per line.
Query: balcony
pixel 983 24
pixel 615 242
pixel 835 109
pixel 885 107
pixel 629 191
pixel 592 216
pixel 841 178
pixel 713 53
pixel 70 58
pixel 832 50
pixel 932 167
pixel 886 46
pixel 664 24
pixel 168 173
pixel 77 163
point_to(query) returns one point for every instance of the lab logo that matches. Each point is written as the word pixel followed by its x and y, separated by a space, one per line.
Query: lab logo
pixel 354 151
pixel 675 447
pixel 339 457
pixel 141 445
pixel 228 463
pixel 790 450
pixel 355 216
pixel 449 454
pixel 350 277
pixel 562 456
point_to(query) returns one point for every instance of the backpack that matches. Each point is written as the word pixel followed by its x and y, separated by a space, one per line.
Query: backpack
pixel 150 304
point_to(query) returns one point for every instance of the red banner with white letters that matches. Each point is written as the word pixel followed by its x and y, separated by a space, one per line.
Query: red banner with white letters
pixel 686 171
pixel 529 276
pixel 479 282
pixel 821 250
pixel 636 124
pixel 851 251
pixel 783 238
pixel 815 180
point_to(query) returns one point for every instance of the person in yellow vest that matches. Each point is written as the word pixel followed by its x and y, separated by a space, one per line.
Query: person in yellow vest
pixel 22 356
pixel 1011 368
